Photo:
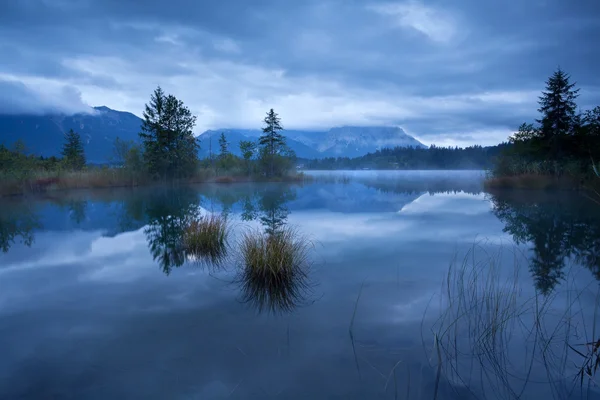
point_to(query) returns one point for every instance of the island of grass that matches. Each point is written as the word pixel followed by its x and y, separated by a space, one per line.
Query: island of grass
pixel 557 152
pixel 167 153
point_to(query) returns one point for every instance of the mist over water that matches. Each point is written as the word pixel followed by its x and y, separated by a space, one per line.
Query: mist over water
pixel 420 285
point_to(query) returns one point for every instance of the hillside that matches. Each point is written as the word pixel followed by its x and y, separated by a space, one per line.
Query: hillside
pixel 347 141
pixel 43 135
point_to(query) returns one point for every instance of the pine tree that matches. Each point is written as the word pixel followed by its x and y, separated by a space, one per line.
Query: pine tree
pixel 73 153
pixel 170 148
pixel 223 145
pixel 272 141
pixel 558 109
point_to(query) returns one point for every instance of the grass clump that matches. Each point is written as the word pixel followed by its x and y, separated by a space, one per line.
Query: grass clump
pixel 274 270
pixel 205 239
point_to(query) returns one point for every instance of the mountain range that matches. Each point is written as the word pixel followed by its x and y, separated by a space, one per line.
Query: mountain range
pixel 43 135
pixel 345 141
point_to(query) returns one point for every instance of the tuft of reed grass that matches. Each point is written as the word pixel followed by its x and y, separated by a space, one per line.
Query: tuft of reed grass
pixel 205 240
pixel 274 269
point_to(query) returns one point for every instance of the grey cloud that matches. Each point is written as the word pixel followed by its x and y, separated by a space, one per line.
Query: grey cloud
pixel 16 98
pixel 324 49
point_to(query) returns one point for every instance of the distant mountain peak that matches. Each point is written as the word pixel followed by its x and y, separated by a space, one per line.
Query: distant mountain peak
pixel 340 141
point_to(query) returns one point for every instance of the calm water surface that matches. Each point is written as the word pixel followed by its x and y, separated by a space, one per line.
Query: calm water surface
pixel 421 286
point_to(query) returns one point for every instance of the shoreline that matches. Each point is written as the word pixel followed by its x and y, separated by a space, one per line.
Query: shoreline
pixel 96 180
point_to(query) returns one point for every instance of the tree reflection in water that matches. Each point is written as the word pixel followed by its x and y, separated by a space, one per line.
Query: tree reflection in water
pixel 18 222
pixel 560 227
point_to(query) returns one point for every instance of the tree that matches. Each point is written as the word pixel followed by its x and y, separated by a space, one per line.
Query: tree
pixel 591 122
pixel 120 150
pixel 558 109
pixel 223 145
pixel 247 149
pixel 128 155
pixel 170 148
pixel 73 153
pixel 526 132
pixel 271 141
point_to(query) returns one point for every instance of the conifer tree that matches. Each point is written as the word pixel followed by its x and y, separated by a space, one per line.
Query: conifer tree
pixel 557 105
pixel 73 153
pixel 271 141
pixel 170 148
pixel 223 145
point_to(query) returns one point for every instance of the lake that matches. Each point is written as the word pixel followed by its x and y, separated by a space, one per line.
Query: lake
pixel 420 286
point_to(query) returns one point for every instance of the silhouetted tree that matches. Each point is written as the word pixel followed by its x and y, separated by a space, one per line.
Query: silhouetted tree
pixel 73 153
pixel 271 141
pixel 557 105
pixel 170 148
pixel 558 110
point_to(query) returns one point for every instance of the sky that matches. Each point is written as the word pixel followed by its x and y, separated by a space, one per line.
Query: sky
pixel 448 72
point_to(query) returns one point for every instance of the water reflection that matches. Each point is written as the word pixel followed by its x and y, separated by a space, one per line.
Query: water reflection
pixel 559 228
pixel 274 266
pixel 396 239
pixel 206 241
pixel 169 214
pixel 274 270
pixel 17 224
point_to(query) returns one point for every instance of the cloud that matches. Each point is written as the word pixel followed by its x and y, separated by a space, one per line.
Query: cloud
pixel 451 75
pixel 227 45
pixel 434 23
pixel 16 98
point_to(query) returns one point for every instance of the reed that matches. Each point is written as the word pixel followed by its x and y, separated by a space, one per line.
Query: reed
pixel 274 269
pixel 206 240
pixel 496 341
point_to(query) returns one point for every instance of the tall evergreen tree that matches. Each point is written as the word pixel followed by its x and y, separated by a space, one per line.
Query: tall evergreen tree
pixel 73 152
pixel 170 148
pixel 558 109
pixel 223 145
pixel 272 141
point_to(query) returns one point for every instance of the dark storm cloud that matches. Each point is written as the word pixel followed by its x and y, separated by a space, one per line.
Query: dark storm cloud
pixel 437 68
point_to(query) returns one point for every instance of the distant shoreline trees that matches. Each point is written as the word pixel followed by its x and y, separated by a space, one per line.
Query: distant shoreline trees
pixel 562 143
pixel 411 158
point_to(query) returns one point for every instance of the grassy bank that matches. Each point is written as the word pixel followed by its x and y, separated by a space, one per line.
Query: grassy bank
pixel 12 184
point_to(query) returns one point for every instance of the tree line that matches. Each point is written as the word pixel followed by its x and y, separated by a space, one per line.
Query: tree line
pixel 564 140
pixel 434 157
pixel 167 149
